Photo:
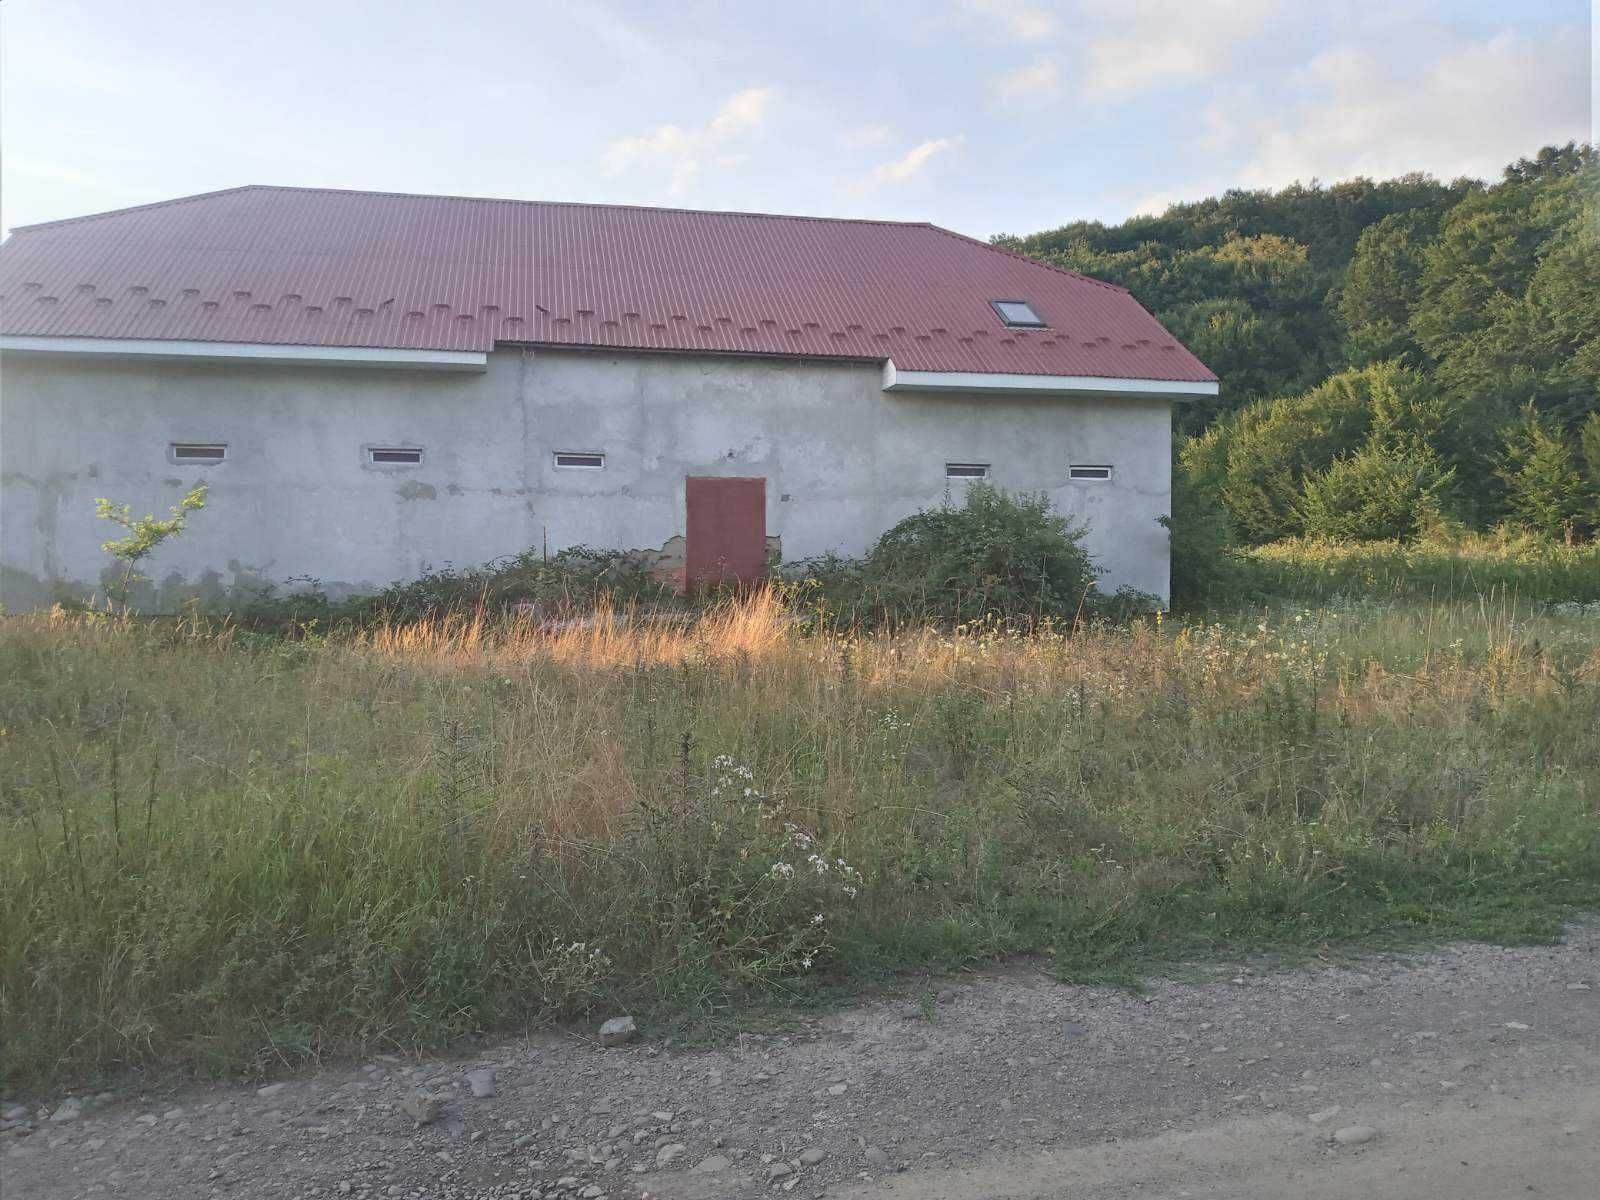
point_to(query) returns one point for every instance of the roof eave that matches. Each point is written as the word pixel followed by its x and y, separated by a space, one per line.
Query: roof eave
pixel 262 353
pixel 999 383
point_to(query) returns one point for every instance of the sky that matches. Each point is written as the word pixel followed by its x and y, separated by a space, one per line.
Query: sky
pixel 984 116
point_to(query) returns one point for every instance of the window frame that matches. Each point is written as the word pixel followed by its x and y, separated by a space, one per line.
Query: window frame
pixel 372 452
pixel 968 470
pixel 1038 322
pixel 1074 468
pixel 197 460
pixel 599 457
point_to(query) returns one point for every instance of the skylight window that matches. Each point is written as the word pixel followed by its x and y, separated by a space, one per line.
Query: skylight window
pixel 1018 314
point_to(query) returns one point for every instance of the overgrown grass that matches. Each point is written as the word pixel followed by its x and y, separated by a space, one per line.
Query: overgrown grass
pixel 226 852
pixel 1533 570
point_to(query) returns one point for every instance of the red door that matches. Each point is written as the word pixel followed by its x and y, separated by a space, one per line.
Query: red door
pixel 725 534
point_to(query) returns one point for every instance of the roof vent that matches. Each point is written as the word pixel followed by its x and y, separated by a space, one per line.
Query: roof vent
pixel 1018 314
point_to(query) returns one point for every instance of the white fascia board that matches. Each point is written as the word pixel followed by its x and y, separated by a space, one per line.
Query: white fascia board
pixel 896 380
pixel 158 349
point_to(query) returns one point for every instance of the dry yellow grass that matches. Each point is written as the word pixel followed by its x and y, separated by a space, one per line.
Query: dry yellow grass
pixel 225 848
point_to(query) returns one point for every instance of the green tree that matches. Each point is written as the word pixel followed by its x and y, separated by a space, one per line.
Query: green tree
pixel 1546 488
pixel 1256 354
pixel 1375 494
pixel 1200 541
pixel 1273 446
pixel 145 535
pixel 1589 447
pixel 1382 285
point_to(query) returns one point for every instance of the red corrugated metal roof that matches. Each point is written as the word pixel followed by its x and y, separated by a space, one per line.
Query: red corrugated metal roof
pixel 332 268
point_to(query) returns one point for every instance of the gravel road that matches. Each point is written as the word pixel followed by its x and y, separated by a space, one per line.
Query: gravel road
pixel 1459 1072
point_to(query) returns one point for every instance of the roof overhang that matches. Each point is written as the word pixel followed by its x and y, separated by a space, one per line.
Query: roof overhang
pixel 995 383
pixel 163 350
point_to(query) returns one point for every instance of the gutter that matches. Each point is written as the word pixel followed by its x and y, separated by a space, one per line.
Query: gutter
pixel 996 383
pixel 164 350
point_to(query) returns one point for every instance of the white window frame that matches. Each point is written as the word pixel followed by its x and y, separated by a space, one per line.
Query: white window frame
pixel 1074 468
pixel 197 460
pixel 598 455
pixel 963 470
pixel 373 460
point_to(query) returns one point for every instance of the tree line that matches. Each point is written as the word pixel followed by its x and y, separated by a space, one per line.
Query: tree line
pixel 1396 357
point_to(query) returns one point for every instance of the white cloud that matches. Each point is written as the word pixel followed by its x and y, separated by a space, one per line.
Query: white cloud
pixel 743 111
pixel 865 135
pixel 1478 106
pixel 1042 78
pixel 682 151
pixel 1017 21
pixel 1126 47
pixel 1135 46
pixel 914 160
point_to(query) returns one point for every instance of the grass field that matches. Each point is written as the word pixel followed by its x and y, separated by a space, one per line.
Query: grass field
pixel 227 852
pixel 1523 570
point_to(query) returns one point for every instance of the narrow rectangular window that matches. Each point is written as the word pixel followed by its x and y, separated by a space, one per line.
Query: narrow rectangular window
pixel 966 470
pixel 398 455
pixel 1090 472
pixel 583 462
pixel 198 452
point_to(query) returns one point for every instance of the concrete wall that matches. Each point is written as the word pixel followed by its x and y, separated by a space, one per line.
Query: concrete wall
pixel 295 497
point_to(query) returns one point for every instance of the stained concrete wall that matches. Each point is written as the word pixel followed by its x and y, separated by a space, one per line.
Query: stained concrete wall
pixel 296 497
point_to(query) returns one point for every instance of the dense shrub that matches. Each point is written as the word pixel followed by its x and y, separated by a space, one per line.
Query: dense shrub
pixel 1544 479
pixel 1205 571
pixel 1273 447
pixel 573 579
pixel 994 555
pixel 1373 495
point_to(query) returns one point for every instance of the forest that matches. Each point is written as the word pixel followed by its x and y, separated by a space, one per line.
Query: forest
pixel 1399 359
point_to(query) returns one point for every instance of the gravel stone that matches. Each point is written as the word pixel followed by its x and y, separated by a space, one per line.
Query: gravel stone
pixel 669 1152
pixel 617 1031
pixel 481 1082
pixel 1354 1135
pixel 997 1078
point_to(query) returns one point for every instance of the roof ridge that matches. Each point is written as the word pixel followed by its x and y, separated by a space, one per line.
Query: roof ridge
pixel 132 208
pixel 1037 262
pixel 283 187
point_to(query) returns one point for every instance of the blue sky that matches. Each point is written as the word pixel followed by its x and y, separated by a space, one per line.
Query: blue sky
pixel 981 115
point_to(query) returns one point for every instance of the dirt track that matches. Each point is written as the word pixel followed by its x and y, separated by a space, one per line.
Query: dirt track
pixel 1476 1069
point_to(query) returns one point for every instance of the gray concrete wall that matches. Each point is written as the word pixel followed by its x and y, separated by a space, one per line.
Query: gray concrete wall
pixel 295 497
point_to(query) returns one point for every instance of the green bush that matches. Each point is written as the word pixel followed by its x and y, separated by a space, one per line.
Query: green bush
pixel 574 579
pixel 1272 447
pixel 1205 570
pixel 1547 489
pixel 996 555
pixel 1372 495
